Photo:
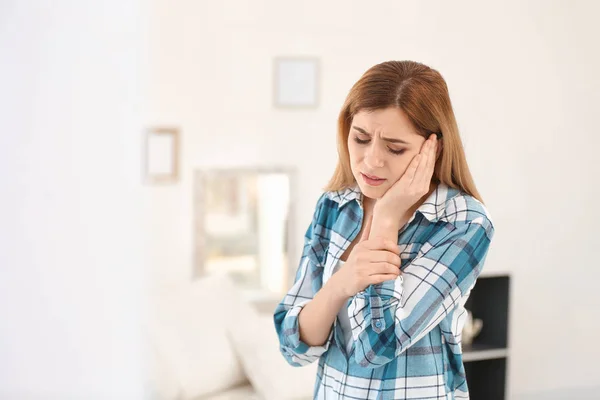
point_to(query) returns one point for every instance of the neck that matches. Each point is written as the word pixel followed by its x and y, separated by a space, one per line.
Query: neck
pixel 368 204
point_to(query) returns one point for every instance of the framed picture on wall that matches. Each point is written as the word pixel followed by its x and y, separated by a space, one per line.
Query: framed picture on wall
pixel 296 82
pixel 161 155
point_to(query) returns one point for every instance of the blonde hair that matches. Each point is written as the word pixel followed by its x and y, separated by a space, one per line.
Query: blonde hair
pixel 421 92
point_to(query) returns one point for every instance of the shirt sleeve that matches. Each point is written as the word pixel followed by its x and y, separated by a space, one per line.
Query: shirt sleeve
pixel 388 318
pixel 307 283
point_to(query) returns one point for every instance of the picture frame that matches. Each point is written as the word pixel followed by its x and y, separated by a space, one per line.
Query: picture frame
pixel 161 155
pixel 296 82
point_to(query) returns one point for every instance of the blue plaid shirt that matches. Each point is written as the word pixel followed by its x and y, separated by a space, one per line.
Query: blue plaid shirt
pixel 407 331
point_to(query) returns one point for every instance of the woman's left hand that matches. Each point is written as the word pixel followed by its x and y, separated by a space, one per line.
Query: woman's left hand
pixel 414 183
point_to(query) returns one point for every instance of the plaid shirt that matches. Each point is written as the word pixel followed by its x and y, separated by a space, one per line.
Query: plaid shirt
pixel 407 331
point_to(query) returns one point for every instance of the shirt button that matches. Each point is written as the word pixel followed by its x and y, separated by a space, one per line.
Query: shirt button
pixel 378 324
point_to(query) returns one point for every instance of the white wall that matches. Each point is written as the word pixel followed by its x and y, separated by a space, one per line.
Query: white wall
pixel 523 81
pixel 71 258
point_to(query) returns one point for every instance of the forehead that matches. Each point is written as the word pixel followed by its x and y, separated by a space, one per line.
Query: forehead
pixel 389 122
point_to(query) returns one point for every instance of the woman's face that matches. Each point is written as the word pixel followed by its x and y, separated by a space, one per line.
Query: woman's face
pixel 381 144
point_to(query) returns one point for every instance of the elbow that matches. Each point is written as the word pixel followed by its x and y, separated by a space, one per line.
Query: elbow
pixel 295 359
pixel 296 352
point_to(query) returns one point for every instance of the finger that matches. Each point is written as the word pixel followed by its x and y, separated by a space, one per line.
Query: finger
pixel 367 229
pixel 425 170
pixel 375 256
pixel 418 178
pixel 431 158
pixel 434 148
pixel 382 244
pixel 409 174
pixel 375 279
pixel 384 268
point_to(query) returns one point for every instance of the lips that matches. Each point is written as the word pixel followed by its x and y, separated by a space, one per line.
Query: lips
pixel 372 180
pixel 374 177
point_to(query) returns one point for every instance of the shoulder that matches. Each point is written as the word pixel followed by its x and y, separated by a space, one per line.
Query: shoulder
pixel 330 205
pixel 326 209
pixel 336 199
pixel 460 209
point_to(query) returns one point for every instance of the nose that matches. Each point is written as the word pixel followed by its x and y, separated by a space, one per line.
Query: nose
pixel 374 156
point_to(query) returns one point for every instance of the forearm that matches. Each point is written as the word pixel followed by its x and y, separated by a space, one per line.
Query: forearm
pixel 386 224
pixel 317 317
pixel 375 308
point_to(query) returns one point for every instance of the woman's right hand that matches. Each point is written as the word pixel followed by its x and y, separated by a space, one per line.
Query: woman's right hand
pixel 370 262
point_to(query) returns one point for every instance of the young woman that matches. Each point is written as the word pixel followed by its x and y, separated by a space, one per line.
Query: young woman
pixel 394 248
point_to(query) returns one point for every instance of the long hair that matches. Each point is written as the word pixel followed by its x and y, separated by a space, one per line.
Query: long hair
pixel 421 92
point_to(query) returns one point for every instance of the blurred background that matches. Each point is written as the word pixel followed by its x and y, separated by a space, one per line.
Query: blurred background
pixel 160 162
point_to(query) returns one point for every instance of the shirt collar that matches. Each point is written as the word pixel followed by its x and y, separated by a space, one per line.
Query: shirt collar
pixel 433 208
pixel 344 196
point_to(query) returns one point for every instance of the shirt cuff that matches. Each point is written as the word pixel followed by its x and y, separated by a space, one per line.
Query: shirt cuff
pixel 381 297
pixel 291 330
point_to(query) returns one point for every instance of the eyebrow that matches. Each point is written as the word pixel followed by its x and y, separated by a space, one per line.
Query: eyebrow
pixel 391 140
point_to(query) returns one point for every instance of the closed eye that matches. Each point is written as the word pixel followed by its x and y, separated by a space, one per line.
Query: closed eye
pixel 366 141
pixel 397 152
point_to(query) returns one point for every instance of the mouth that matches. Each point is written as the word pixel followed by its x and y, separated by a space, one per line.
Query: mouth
pixel 372 180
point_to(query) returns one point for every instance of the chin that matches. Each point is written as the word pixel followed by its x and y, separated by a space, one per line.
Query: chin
pixel 371 192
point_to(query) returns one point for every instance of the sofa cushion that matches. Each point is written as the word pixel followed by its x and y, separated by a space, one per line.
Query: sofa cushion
pixel 244 392
pixel 257 345
pixel 162 384
pixel 191 332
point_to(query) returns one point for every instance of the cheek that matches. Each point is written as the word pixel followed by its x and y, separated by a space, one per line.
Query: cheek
pixel 400 164
pixel 354 152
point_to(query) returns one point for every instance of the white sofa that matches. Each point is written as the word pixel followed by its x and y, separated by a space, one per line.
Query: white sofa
pixel 207 343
